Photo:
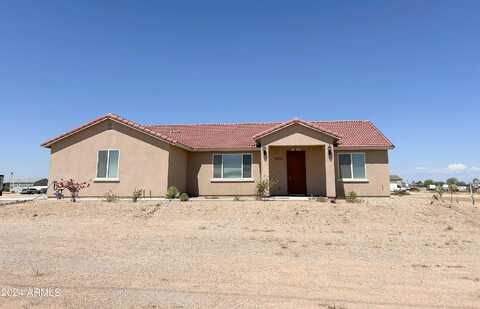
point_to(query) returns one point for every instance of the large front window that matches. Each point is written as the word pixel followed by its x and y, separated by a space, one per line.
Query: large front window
pixel 352 166
pixel 232 166
pixel 107 164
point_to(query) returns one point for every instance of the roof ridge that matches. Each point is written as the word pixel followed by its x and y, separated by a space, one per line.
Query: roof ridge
pixel 211 124
pixel 245 123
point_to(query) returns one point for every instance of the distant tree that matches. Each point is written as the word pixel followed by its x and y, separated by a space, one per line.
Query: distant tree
pixel 476 181
pixel 428 182
pixel 439 183
pixel 461 183
pixel 452 181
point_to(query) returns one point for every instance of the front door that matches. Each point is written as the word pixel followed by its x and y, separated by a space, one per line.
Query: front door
pixel 296 175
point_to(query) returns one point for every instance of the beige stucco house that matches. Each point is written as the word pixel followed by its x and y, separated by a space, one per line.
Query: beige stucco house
pixel 299 157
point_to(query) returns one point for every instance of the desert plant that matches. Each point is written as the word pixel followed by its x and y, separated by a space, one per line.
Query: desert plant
pixel 264 186
pixel 110 197
pixel 172 192
pixel 351 197
pixel 71 185
pixel 183 197
pixel 137 193
pixel 452 187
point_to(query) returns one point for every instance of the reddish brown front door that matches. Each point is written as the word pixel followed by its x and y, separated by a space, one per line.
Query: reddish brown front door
pixel 296 179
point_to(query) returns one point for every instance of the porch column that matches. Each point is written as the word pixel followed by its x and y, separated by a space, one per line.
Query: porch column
pixel 265 165
pixel 330 181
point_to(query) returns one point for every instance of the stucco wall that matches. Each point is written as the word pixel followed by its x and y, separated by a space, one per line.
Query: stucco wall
pixel 200 173
pixel 143 160
pixel 377 175
pixel 314 165
pixel 178 167
pixel 296 135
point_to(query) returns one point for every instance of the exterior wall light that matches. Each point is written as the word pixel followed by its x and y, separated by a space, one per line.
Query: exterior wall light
pixel 329 150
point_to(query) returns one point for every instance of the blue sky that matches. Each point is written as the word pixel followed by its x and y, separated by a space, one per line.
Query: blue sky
pixel 412 67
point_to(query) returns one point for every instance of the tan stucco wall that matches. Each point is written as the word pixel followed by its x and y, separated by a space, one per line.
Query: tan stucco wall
pixel 143 161
pixel 178 168
pixel 296 135
pixel 314 166
pixel 200 173
pixel 377 173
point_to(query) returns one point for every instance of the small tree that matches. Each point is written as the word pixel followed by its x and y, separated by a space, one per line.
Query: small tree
pixel 428 182
pixel 452 188
pixel 71 185
pixel 452 181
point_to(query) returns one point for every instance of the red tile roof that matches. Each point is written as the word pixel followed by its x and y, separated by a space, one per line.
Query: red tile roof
pixel 350 134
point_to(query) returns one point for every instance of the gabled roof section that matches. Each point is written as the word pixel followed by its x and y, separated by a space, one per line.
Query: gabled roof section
pixel 117 119
pixel 295 121
pixel 352 134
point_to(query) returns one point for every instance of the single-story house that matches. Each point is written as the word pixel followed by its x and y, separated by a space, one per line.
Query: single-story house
pixel 395 179
pixel 319 158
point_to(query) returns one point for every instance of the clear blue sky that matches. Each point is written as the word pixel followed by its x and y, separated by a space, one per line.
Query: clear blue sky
pixel 412 67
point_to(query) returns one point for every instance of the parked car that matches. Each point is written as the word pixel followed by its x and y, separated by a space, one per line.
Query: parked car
pixel 29 191
pixel 43 190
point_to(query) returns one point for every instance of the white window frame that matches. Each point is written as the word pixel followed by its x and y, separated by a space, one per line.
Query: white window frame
pixel 351 167
pixel 241 179
pixel 106 179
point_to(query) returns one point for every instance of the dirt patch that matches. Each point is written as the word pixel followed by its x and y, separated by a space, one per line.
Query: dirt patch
pixel 399 252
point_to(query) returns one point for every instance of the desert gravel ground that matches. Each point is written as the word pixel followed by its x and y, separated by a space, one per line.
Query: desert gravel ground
pixel 399 252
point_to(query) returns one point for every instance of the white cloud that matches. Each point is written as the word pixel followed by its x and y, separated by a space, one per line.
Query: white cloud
pixel 475 168
pixel 457 167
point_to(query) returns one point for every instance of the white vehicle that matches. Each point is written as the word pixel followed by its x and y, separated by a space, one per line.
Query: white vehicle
pixel 395 187
pixel 432 187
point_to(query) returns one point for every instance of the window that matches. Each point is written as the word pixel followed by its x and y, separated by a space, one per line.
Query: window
pixel 107 164
pixel 232 166
pixel 352 166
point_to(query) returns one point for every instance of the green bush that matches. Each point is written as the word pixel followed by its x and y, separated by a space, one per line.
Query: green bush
pixel 183 197
pixel 351 197
pixel 172 192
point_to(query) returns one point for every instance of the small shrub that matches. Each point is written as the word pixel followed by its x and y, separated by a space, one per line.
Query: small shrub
pixel 183 197
pixel 236 198
pixel 172 192
pixel 264 186
pixel 111 197
pixel 137 193
pixel 321 199
pixel 414 189
pixel 351 197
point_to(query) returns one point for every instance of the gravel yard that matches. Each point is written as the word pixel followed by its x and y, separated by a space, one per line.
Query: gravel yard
pixel 399 252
